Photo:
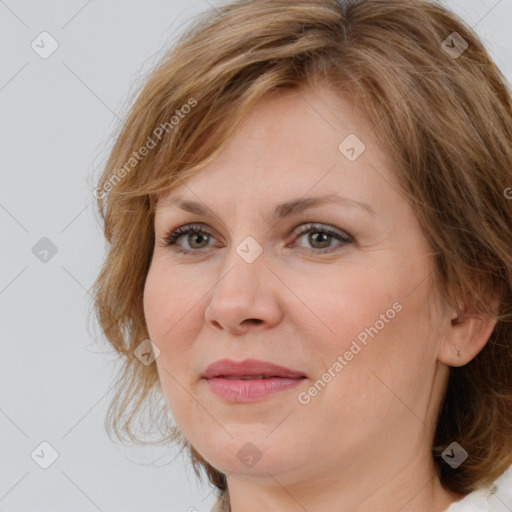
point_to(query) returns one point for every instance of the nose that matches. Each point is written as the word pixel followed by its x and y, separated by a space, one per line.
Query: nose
pixel 245 297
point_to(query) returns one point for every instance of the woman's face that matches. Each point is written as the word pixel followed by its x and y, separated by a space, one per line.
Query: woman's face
pixel 352 316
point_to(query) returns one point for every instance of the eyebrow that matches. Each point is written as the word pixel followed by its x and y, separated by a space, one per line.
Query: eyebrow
pixel 281 211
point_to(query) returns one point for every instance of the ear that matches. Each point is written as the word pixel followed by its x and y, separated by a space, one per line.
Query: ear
pixel 468 333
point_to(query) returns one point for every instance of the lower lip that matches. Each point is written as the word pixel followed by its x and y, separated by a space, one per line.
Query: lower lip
pixel 250 390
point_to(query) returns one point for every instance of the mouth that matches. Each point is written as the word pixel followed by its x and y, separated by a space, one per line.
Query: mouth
pixel 250 388
pixel 249 369
pixel 249 380
pixel 245 377
pixel 253 377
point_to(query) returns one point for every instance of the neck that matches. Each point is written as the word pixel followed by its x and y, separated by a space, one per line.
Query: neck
pixel 408 489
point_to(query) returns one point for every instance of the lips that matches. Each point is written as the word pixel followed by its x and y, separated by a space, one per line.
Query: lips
pixel 249 369
pixel 250 380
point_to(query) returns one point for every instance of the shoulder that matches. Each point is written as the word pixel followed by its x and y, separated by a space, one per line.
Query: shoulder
pixel 495 498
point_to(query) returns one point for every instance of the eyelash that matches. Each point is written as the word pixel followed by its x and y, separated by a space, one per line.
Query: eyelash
pixel 171 238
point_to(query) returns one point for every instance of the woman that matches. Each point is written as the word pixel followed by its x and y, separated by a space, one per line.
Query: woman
pixel 340 337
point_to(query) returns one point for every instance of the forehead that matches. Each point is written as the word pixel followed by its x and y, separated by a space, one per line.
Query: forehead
pixel 291 143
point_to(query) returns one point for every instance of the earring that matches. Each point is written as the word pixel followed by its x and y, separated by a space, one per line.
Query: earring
pixel 459 353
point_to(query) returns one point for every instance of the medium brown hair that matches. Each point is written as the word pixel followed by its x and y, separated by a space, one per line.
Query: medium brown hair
pixel 444 119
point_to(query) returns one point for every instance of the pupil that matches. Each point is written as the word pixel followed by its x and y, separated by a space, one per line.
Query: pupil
pixel 324 236
pixel 195 236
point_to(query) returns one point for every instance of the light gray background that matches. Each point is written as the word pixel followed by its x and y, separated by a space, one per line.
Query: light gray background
pixel 57 116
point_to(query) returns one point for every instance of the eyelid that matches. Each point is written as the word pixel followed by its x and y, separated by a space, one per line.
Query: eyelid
pixel 310 226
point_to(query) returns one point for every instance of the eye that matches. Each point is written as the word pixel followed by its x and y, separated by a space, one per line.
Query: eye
pixel 196 236
pixel 319 236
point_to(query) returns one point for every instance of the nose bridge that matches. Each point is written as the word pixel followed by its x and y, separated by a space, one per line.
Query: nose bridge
pixel 242 271
pixel 243 290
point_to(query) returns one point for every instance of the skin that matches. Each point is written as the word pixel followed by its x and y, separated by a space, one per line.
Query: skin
pixel 363 442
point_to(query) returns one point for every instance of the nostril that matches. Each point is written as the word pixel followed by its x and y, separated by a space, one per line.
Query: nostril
pixel 254 320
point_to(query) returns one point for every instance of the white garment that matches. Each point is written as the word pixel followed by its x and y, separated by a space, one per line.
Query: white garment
pixel 496 498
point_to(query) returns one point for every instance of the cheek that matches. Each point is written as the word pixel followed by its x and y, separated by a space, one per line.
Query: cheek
pixel 346 304
pixel 173 319
pixel 154 298
pixel 377 327
pixel 165 303
pixel 163 310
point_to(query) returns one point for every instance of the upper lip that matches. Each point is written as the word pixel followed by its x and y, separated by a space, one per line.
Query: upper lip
pixel 230 368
